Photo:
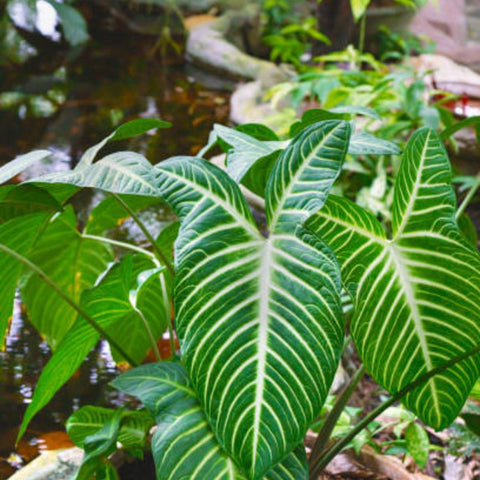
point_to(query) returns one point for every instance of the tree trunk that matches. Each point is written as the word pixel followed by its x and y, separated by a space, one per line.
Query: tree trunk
pixel 335 20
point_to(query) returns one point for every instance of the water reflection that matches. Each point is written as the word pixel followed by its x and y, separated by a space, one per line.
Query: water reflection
pixel 112 81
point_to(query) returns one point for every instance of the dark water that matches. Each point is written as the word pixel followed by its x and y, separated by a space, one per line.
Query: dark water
pixel 67 104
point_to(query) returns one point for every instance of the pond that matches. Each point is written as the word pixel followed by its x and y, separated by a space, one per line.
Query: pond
pixel 66 105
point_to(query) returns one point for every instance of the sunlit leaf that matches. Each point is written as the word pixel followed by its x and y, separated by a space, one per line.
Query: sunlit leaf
pixel 418 444
pixel 121 172
pixel 21 163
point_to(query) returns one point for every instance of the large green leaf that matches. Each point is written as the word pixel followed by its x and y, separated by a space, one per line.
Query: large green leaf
pixel 24 212
pixel 259 320
pixel 301 179
pixel 127 304
pixel 416 295
pixel 184 446
pixel 74 263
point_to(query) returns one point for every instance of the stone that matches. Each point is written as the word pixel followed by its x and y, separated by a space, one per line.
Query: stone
pixel 209 45
pixel 448 75
pixel 52 465
pixel 453 26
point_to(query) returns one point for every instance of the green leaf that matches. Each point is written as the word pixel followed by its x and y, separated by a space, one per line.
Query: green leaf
pixel 24 212
pixel 312 116
pixel 303 175
pixel 246 152
pixel 74 263
pixel 121 172
pixel 468 229
pixel 130 129
pixel 357 110
pixel 183 445
pixel 110 305
pixel 418 444
pixel 358 8
pixel 109 213
pixel 260 361
pixel 133 297
pixel 468 122
pixel 86 421
pixel 73 24
pixel 417 295
pixel 472 420
pixel 259 131
pixel 97 447
pixel 365 144
pixel 21 163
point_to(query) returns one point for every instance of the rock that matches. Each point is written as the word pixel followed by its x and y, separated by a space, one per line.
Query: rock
pixel 453 26
pixel 448 75
pixel 210 46
pixel 52 465
pixel 246 105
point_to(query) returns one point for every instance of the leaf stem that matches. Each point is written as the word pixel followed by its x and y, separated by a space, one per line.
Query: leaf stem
pixel 166 301
pixel 340 402
pixel 158 253
pixel 93 323
pixel 318 464
pixel 468 198
pixel 361 40
pixel 126 246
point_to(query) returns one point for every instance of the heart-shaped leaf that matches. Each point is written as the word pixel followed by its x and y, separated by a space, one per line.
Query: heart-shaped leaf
pixel 416 295
pixel 259 320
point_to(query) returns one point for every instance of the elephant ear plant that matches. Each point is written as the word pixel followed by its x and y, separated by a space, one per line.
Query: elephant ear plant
pixel 259 317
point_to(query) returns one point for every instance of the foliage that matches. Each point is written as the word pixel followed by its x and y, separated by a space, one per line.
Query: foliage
pixel 258 318
pixel 288 36
pixel 395 47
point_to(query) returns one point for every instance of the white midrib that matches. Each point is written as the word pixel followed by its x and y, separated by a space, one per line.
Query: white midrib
pixel 294 179
pixel 416 317
pixel 413 195
pixel 264 279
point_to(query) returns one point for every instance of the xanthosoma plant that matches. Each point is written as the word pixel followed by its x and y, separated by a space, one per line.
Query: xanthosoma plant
pixel 259 319
pixel 417 294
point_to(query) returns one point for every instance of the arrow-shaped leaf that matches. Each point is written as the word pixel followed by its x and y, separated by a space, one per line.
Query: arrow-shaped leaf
pixel 259 320
pixel 416 295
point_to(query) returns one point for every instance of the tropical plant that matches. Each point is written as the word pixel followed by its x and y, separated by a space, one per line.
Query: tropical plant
pixel 259 318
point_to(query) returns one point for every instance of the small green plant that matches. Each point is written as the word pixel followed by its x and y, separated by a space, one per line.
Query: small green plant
pixel 258 317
